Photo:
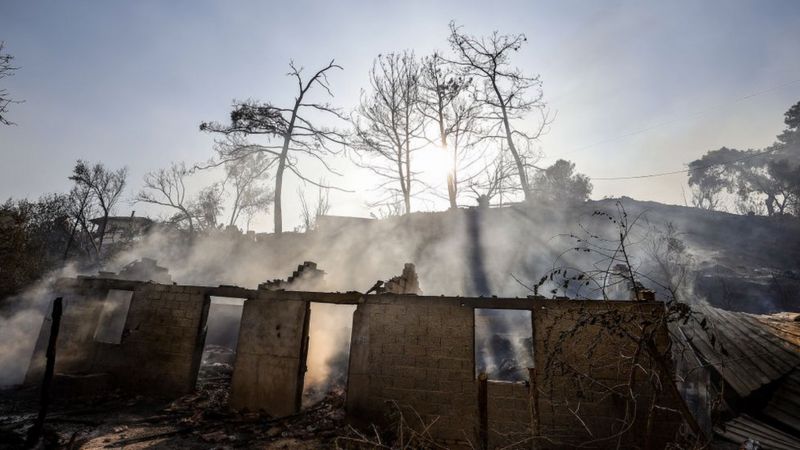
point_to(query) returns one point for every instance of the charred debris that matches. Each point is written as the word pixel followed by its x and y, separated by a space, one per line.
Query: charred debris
pixel 138 365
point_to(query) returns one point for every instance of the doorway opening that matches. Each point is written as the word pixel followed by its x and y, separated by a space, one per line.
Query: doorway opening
pixel 330 328
pixel 219 349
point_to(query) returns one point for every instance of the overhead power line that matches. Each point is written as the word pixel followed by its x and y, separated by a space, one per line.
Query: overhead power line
pixel 675 172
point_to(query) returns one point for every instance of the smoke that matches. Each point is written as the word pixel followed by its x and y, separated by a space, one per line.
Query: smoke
pixel 503 344
pixel 21 319
pixel 456 252
pixel 330 329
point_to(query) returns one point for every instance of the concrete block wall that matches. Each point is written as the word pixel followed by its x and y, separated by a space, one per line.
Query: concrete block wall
pixel 509 413
pixel 580 355
pixel 82 308
pixel 413 351
pixel 162 341
pixel 270 362
pixel 417 352
pixel 158 353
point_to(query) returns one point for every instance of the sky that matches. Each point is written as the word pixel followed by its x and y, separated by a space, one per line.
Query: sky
pixel 637 87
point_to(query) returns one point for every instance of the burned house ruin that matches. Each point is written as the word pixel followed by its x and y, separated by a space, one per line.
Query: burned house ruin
pixel 414 350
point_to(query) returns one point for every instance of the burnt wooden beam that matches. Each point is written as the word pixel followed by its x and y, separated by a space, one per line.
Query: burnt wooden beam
pixel 483 411
pixel 35 432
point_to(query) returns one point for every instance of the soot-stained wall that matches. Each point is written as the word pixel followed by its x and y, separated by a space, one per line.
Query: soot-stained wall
pixel 158 348
pixel 270 362
pixel 418 352
pixel 415 352
pixel 587 354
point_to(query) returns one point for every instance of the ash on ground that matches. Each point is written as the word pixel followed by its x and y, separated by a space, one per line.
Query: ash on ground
pixel 200 420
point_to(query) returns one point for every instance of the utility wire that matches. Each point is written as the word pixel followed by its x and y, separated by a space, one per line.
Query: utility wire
pixel 674 172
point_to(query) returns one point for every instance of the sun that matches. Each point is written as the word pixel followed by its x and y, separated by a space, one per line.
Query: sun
pixel 434 161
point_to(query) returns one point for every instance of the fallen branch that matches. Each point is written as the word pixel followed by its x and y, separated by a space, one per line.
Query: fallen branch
pixel 149 437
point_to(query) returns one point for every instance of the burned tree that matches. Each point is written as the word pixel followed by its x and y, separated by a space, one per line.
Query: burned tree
pixel 389 123
pixel 644 353
pixel 445 101
pixel 208 206
pixel 167 187
pixel 498 179
pixel 246 175
pixel 7 69
pixel 670 255
pixel 96 189
pixel 505 94
pixel 614 270
pixel 81 210
pixel 290 133
pixel 310 213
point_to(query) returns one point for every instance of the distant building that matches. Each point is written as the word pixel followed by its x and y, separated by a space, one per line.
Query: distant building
pixel 121 228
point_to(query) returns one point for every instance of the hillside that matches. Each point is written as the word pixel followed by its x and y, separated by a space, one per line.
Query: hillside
pixel 746 263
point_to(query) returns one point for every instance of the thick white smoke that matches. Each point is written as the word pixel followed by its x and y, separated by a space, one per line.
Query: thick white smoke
pixel 21 318
pixel 459 252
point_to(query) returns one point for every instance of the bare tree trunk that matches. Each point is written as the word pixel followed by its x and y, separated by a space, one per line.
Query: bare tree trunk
pixel 278 216
pixel 235 209
pixel 75 225
pixel 770 202
pixel 451 177
pixel 71 240
pixel 406 182
pixel 408 163
pixel 451 186
pixel 523 176
pixel 287 138
pixel 88 233
pixel 451 190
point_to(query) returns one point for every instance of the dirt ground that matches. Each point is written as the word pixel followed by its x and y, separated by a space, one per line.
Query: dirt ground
pixel 200 420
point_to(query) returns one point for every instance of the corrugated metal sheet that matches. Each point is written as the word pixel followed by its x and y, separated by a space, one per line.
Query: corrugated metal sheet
pixel 755 356
pixel 744 427
pixel 786 325
pixel 741 347
pixel 784 406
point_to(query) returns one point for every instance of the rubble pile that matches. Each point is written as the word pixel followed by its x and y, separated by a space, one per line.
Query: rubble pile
pixel 216 364
pixel 306 277
pixel 405 283
pixel 199 420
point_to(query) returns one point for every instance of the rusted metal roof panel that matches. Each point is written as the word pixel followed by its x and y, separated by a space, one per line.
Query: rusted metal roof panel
pixel 747 351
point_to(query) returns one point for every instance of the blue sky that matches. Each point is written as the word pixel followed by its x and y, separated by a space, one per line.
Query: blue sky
pixel 639 87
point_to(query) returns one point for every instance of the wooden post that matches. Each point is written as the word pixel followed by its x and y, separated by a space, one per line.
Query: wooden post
pixel 672 388
pixel 534 401
pixel 483 411
pixel 34 434
pixel 303 367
